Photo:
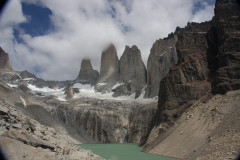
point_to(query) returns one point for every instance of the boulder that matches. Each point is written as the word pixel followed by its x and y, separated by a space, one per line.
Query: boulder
pixel 132 69
pixel 70 92
pixel 87 75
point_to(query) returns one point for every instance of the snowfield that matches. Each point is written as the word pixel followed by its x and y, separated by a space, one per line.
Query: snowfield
pixel 86 91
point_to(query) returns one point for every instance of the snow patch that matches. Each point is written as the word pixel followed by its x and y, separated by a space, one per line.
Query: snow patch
pixel 101 84
pixel 117 85
pixel 24 102
pixel 88 91
pixel 28 79
pixel 46 91
pixel 11 85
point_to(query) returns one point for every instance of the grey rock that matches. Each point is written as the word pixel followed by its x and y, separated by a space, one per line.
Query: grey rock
pixel 87 75
pixel 109 71
pixel 17 125
pixel 132 69
pixel 123 89
pixel 70 92
pixel 27 139
pixel 163 56
pixel 25 74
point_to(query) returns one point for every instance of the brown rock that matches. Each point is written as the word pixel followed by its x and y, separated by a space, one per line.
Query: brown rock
pixel 4 60
pixel 187 80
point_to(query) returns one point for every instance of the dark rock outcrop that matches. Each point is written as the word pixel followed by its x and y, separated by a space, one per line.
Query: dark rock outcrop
pixel 132 69
pixel 163 56
pixel 4 60
pixel 87 75
pixel 208 62
pixel 188 80
pixel 109 71
pixel 26 74
pixel 227 18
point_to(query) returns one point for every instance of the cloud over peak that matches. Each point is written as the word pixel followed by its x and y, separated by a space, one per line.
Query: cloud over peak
pixel 82 28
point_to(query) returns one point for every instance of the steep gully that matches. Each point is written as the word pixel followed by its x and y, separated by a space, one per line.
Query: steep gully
pixel 195 61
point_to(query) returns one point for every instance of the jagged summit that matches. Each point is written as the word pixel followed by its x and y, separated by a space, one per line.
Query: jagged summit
pixel 87 75
pixel 133 70
pixel 4 60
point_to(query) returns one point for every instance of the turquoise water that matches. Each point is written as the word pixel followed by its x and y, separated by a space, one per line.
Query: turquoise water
pixel 126 151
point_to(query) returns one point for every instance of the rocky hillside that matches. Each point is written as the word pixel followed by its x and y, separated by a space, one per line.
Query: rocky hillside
pixel 22 137
pixel 208 62
pixel 207 130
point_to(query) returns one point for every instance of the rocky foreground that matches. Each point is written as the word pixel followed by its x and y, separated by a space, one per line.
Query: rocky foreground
pixel 21 137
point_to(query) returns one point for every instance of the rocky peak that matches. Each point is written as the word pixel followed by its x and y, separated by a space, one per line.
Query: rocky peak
pixel 87 75
pixel 4 60
pixel 163 56
pixel 208 61
pixel 133 69
pixel 109 71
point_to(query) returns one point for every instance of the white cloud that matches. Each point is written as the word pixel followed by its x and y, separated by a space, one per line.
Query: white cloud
pixel 84 27
pixel 204 14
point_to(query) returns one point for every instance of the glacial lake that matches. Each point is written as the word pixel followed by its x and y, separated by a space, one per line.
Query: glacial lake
pixel 125 151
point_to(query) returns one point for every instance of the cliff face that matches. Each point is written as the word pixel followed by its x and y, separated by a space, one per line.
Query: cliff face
pixel 133 70
pixel 109 71
pixel 188 80
pixel 4 60
pixel 228 32
pixel 163 56
pixel 208 63
pixel 87 75
pixel 108 121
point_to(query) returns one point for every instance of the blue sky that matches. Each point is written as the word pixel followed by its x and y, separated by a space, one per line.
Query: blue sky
pixel 49 38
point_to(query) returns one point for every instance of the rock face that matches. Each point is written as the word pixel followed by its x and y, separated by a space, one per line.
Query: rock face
pixel 228 33
pixel 132 69
pixel 188 80
pixel 109 71
pixel 163 56
pixel 108 121
pixel 87 75
pixel 208 62
pixel 4 60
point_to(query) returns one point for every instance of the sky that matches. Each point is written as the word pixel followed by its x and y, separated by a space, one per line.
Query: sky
pixel 50 37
